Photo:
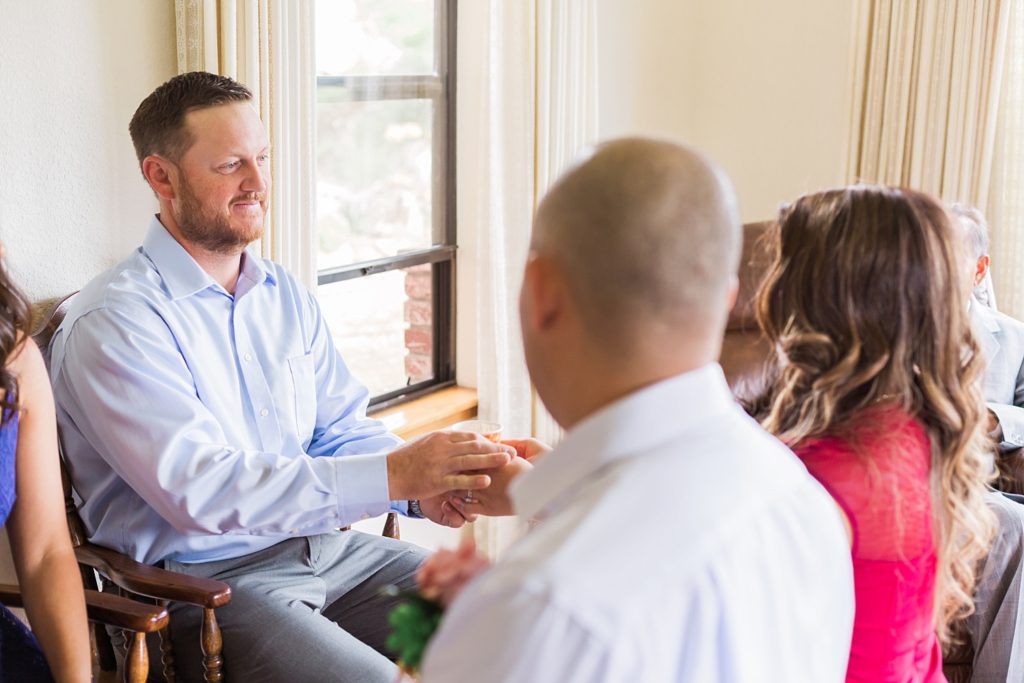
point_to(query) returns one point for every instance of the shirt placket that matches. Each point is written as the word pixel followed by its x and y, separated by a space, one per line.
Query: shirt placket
pixel 255 381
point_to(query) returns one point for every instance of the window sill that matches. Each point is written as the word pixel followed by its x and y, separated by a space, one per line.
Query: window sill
pixel 429 413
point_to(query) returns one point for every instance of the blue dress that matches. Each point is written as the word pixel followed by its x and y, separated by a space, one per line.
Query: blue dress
pixel 21 659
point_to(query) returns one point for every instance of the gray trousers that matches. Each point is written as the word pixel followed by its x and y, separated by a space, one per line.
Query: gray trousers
pixel 306 609
pixel 997 625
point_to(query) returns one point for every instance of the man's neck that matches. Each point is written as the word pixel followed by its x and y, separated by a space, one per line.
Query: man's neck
pixel 593 396
pixel 598 380
pixel 223 268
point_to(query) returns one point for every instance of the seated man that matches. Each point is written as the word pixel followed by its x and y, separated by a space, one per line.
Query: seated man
pixel 211 426
pixel 1001 338
pixel 676 540
pixel 997 620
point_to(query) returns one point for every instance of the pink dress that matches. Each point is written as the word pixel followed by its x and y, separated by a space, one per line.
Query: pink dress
pixel 878 472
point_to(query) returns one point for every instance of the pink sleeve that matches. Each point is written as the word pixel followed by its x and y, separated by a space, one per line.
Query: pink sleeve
pixel 881 481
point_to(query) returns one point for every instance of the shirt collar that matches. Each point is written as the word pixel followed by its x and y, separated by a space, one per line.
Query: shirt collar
pixel 180 272
pixel 983 315
pixel 628 428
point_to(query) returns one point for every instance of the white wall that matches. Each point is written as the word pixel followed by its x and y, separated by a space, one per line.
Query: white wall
pixel 72 202
pixel 763 87
pixel 646 56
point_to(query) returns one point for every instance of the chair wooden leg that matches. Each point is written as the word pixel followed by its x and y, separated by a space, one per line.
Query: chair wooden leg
pixel 167 655
pixel 211 645
pixel 136 668
pixel 391 526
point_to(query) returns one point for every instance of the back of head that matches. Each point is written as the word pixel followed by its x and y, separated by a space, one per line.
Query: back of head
pixel 975 226
pixel 648 234
pixel 158 125
pixel 865 299
pixel 865 303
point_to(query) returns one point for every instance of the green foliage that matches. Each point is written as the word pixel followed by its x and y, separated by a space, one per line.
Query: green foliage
pixel 413 623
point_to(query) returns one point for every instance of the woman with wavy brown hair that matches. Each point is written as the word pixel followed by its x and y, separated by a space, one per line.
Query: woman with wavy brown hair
pixel 32 510
pixel 875 384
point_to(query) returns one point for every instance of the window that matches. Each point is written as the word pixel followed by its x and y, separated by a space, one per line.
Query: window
pixel 385 189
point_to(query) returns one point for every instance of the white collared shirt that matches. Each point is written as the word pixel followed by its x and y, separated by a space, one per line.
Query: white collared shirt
pixel 678 542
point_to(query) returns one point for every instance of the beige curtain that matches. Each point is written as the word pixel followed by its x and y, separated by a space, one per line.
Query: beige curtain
pixel 927 85
pixel 267 45
pixel 527 104
pixel 1005 207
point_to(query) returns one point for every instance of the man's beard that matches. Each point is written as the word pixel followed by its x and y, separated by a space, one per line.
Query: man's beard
pixel 211 230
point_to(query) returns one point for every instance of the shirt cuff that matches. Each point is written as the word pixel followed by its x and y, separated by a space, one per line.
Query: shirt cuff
pixel 362 486
pixel 1012 433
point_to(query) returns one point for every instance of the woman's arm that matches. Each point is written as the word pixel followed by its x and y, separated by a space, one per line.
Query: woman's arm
pixel 40 543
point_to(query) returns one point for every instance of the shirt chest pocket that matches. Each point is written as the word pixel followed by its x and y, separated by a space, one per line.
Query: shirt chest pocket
pixel 304 396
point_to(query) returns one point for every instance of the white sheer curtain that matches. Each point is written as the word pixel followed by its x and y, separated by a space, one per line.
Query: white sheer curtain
pixel 267 45
pixel 527 104
pixel 566 112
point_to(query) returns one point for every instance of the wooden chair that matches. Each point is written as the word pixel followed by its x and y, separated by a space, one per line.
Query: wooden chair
pixel 140 580
pixel 744 349
pixel 122 613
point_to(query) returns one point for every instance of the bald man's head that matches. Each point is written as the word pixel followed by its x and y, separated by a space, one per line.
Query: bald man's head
pixel 646 232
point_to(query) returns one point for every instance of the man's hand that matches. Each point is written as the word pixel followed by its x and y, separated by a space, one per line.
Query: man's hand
pixel 443 576
pixel 443 461
pixel 992 426
pixel 493 500
pixel 440 510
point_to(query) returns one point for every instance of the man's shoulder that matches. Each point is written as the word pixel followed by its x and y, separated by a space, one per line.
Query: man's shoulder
pixel 131 288
pixel 989 321
pixel 1009 323
pixel 727 484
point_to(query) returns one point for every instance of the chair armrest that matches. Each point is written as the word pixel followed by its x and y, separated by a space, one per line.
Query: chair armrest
pixel 124 613
pixel 153 582
pixel 107 609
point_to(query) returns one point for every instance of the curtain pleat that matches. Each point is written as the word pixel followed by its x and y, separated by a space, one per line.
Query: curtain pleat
pixel 267 45
pixel 927 91
pixel 1005 203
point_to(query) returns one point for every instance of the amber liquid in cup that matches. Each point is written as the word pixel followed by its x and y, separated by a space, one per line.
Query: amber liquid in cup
pixel 489 430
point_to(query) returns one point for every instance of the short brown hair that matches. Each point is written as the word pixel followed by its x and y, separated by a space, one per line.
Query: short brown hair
pixel 158 126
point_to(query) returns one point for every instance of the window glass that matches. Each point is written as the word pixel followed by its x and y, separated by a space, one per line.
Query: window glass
pixel 375 179
pixel 383 326
pixel 375 37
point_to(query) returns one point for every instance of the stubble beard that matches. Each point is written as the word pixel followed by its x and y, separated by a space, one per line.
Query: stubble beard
pixel 213 231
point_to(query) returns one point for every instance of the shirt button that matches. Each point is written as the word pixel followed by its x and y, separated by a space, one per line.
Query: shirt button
pixel 364 516
pixel 248 357
pixel 264 412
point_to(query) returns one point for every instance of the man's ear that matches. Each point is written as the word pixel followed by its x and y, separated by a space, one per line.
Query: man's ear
pixel 979 273
pixel 732 292
pixel 159 173
pixel 544 291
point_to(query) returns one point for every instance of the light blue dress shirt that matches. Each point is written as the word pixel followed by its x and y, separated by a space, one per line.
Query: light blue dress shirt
pixel 203 426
